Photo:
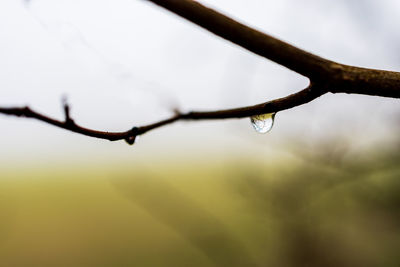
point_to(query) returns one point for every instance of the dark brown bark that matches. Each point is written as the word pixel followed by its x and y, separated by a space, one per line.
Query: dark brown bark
pixel 344 79
pixel 325 75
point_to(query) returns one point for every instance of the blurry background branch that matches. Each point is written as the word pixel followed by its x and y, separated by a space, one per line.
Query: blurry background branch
pixel 324 75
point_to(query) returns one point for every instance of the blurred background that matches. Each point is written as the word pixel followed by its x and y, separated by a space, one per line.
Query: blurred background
pixel 321 189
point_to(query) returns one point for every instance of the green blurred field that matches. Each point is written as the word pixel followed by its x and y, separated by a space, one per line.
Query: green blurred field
pixel 299 212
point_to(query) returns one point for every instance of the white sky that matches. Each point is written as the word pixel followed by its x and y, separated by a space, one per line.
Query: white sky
pixel 126 62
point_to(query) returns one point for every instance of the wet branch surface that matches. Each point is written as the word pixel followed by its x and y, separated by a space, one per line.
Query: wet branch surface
pixel 325 76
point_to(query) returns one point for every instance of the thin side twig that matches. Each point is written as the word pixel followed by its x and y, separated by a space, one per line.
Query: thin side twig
pixel 129 136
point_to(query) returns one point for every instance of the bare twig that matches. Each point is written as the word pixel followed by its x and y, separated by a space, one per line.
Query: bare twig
pixel 325 75
pixel 129 136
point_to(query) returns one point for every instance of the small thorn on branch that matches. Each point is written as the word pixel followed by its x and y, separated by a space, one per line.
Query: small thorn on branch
pixel 66 108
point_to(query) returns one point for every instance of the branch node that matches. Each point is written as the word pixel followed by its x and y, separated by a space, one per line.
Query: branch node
pixel 130 139
pixel 25 111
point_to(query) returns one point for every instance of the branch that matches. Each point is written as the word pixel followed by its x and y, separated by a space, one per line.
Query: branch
pixel 325 75
pixel 302 97
pixel 253 40
pixel 342 78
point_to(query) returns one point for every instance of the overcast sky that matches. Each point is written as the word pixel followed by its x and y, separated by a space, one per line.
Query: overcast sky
pixel 128 62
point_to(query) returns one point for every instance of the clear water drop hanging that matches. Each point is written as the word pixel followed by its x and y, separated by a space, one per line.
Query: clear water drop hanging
pixel 263 123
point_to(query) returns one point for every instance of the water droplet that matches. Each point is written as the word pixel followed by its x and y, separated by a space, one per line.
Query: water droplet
pixel 263 123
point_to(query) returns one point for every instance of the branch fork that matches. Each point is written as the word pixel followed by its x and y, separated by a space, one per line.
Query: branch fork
pixel 325 75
